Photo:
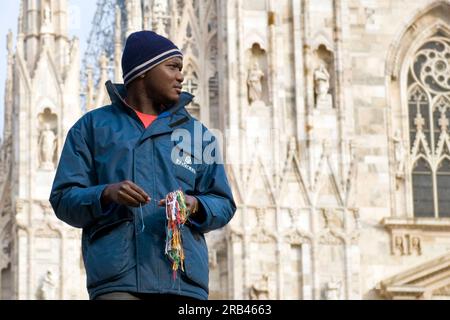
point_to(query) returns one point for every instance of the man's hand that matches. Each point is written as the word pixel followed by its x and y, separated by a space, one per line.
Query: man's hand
pixel 126 193
pixel 191 204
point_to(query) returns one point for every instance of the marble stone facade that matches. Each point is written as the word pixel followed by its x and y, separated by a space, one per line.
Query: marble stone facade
pixel 312 99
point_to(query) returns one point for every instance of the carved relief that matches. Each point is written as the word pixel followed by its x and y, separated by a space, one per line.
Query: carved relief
pixel 47 289
pixel 295 235
pixel 296 238
pixel 444 291
pixel 260 218
pixel 406 244
pixel 332 290
pixel 260 289
pixel 295 217
pixel 332 219
pixel 330 238
pixel 416 247
pixel 399 246
pixel 261 233
pixel 263 236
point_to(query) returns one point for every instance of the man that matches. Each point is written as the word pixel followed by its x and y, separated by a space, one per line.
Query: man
pixel 116 169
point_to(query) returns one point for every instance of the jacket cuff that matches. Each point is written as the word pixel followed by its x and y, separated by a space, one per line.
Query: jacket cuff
pixel 207 213
pixel 96 203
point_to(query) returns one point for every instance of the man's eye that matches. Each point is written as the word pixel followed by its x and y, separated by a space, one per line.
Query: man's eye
pixel 175 66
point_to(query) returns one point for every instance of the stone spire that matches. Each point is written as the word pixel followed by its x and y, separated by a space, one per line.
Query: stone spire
pixel 8 86
pixel 118 46
pixel 134 16
pixel 42 102
pixel 43 24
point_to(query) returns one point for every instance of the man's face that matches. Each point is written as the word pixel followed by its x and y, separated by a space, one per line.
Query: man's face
pixel 163 83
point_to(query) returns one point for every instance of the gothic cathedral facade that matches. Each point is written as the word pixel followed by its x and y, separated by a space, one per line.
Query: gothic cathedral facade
pixel 334 120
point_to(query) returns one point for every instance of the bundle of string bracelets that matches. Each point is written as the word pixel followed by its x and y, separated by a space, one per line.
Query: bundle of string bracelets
pixel 177 215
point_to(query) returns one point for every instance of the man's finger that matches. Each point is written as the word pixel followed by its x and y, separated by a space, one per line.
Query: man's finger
pixel 162 202
pixel 128 200
pixel 136 195
pixel 139 190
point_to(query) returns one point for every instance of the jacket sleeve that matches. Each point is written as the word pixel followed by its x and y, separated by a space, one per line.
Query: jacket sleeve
pixel 215 198
pixel 75 197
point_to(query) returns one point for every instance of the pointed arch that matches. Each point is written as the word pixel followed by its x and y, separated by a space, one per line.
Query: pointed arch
pixel 196 34
pixel 418 114
pixel 443 185
pixel 235 182
pixel 21 65
pixel 321 38
pixel 258 167
pixel 419 78
pixel 50 73
pixel 422 185
pixel 408 34
pixel 292 165
pixel 326 177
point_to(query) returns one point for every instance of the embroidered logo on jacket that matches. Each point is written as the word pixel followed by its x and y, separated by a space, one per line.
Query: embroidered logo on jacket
pixel 185 163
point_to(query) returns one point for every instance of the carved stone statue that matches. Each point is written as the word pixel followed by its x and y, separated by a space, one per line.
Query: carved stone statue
pixel 333 290
pixel 416 246
pixel 47 14
pixel 399 246
pixel 399 154
pixel 260 290
pixel 9 42
pixel 46 20
pixel 292 144
pixel 322 87
pixel 254 83
pixel 47 145
pixel 47 290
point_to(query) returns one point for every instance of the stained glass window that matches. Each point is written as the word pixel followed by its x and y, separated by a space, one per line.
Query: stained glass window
pixel 429 116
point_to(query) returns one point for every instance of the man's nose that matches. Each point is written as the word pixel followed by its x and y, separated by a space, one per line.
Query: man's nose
pixel 180 77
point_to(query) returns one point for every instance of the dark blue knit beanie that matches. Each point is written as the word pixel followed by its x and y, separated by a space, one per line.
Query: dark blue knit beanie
pixel 143 51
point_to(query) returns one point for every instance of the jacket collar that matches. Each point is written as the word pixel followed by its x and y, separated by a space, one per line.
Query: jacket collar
pixel 117 93
pixel 173 117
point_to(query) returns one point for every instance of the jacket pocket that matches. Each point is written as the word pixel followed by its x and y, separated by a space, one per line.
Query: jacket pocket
pixel 196 268
pixel 110 252
pixel 185 172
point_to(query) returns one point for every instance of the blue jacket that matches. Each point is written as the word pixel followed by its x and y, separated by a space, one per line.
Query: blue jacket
pixel 109 145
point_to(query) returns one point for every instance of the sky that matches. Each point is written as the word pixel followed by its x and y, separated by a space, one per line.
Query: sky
pixel 81 13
